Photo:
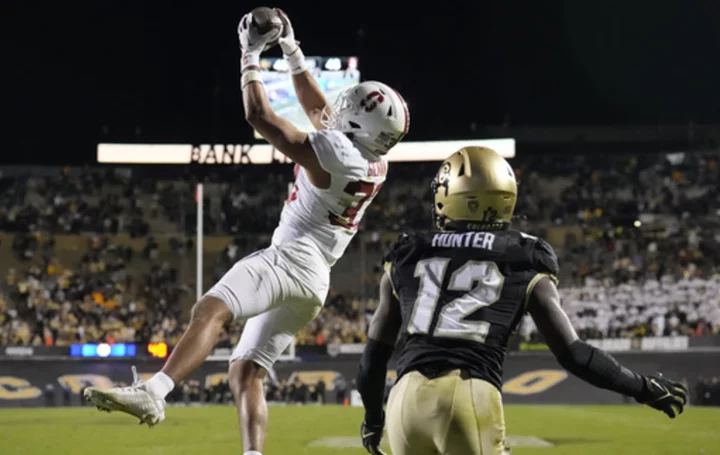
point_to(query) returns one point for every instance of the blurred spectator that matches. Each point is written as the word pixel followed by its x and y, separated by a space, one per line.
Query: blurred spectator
pixel 320 390
pixel 707 392
pixel 49 394
pixel 341 392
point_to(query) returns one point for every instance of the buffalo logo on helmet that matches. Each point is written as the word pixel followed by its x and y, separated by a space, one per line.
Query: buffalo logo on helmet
pixel 473 205
pixel 442 179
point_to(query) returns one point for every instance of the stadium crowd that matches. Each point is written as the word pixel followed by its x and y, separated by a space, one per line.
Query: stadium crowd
pixel 101 298
pixel 645 264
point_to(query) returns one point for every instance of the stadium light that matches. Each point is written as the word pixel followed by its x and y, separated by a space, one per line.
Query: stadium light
pixel 103 350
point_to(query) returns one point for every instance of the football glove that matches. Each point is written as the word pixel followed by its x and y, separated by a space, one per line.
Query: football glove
pixel 371 434
pixel 664 395
pixel 251 40
pixel 287 40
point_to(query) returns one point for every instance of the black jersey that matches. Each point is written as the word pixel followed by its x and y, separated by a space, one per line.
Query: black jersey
pixel 462 295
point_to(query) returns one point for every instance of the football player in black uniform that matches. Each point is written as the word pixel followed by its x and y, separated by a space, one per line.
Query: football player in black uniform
pixel 454 296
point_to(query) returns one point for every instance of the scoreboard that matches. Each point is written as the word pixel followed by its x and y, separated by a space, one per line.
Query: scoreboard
pixel 333 75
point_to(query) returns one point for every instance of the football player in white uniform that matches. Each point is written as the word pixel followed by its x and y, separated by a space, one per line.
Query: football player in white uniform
pixel 278 290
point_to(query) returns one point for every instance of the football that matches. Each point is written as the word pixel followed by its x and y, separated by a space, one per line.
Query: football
pixel 265 20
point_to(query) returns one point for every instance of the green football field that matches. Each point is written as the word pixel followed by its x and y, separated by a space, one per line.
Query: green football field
pixel 588 430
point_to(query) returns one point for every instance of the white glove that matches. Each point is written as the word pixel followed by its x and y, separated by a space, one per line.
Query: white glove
pixel 287 39
pixel 251 41
pixel 290 47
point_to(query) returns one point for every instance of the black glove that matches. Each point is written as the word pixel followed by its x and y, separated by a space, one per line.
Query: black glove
pixel 371 434
pixel 664 395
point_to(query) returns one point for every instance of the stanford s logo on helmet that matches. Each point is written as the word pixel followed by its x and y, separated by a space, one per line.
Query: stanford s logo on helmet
pixel 371 101
pixel 373 115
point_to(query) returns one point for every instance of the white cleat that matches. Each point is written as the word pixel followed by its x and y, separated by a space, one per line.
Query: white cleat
pixel 134 400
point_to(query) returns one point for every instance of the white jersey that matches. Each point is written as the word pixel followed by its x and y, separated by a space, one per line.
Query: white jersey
pixel 329 218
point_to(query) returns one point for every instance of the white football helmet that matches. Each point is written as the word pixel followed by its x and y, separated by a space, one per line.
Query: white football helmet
pixel 373 115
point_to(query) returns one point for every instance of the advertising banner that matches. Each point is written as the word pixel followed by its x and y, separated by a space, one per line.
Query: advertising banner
pixel 704 342
pixel 265 153
pixel 532 377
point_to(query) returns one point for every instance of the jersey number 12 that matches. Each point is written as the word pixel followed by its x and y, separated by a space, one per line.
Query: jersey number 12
pixel 482 283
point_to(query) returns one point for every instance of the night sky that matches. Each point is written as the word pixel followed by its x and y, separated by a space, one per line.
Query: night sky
pixel 164 71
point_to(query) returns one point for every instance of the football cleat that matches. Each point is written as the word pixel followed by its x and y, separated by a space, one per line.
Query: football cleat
pixel 135 400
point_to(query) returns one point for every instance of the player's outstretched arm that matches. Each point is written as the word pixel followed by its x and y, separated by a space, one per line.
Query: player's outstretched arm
pixel 279 132
pixel 594 365
pixel 382 335
pixel 311 97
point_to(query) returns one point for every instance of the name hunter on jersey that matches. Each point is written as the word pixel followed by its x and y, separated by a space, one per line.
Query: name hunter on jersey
pixel 482 240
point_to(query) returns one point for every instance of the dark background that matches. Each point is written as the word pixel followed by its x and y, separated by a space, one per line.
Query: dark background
pixel 165 71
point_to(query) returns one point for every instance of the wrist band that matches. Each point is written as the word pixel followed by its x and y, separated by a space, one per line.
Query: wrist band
pixel 251 76
pixel 249 59
pixel 296 61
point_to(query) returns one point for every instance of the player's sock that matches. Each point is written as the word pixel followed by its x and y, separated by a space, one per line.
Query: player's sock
pixel 253 452
pixel 160 385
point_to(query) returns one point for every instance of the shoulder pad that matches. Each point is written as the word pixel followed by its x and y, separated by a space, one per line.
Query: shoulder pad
pixel 392 253
pixel 544 259
pixel 334 151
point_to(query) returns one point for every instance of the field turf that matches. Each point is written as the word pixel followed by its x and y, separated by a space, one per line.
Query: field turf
pixel 587 430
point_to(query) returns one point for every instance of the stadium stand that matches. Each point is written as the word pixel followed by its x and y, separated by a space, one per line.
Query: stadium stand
pixel 106 254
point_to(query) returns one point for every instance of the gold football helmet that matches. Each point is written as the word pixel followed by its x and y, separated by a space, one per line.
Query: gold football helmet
pixel 475 189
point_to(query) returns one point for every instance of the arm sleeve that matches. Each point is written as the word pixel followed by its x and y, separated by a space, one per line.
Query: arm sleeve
pixel 600 369
pixel 332 149
pixel 371 378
